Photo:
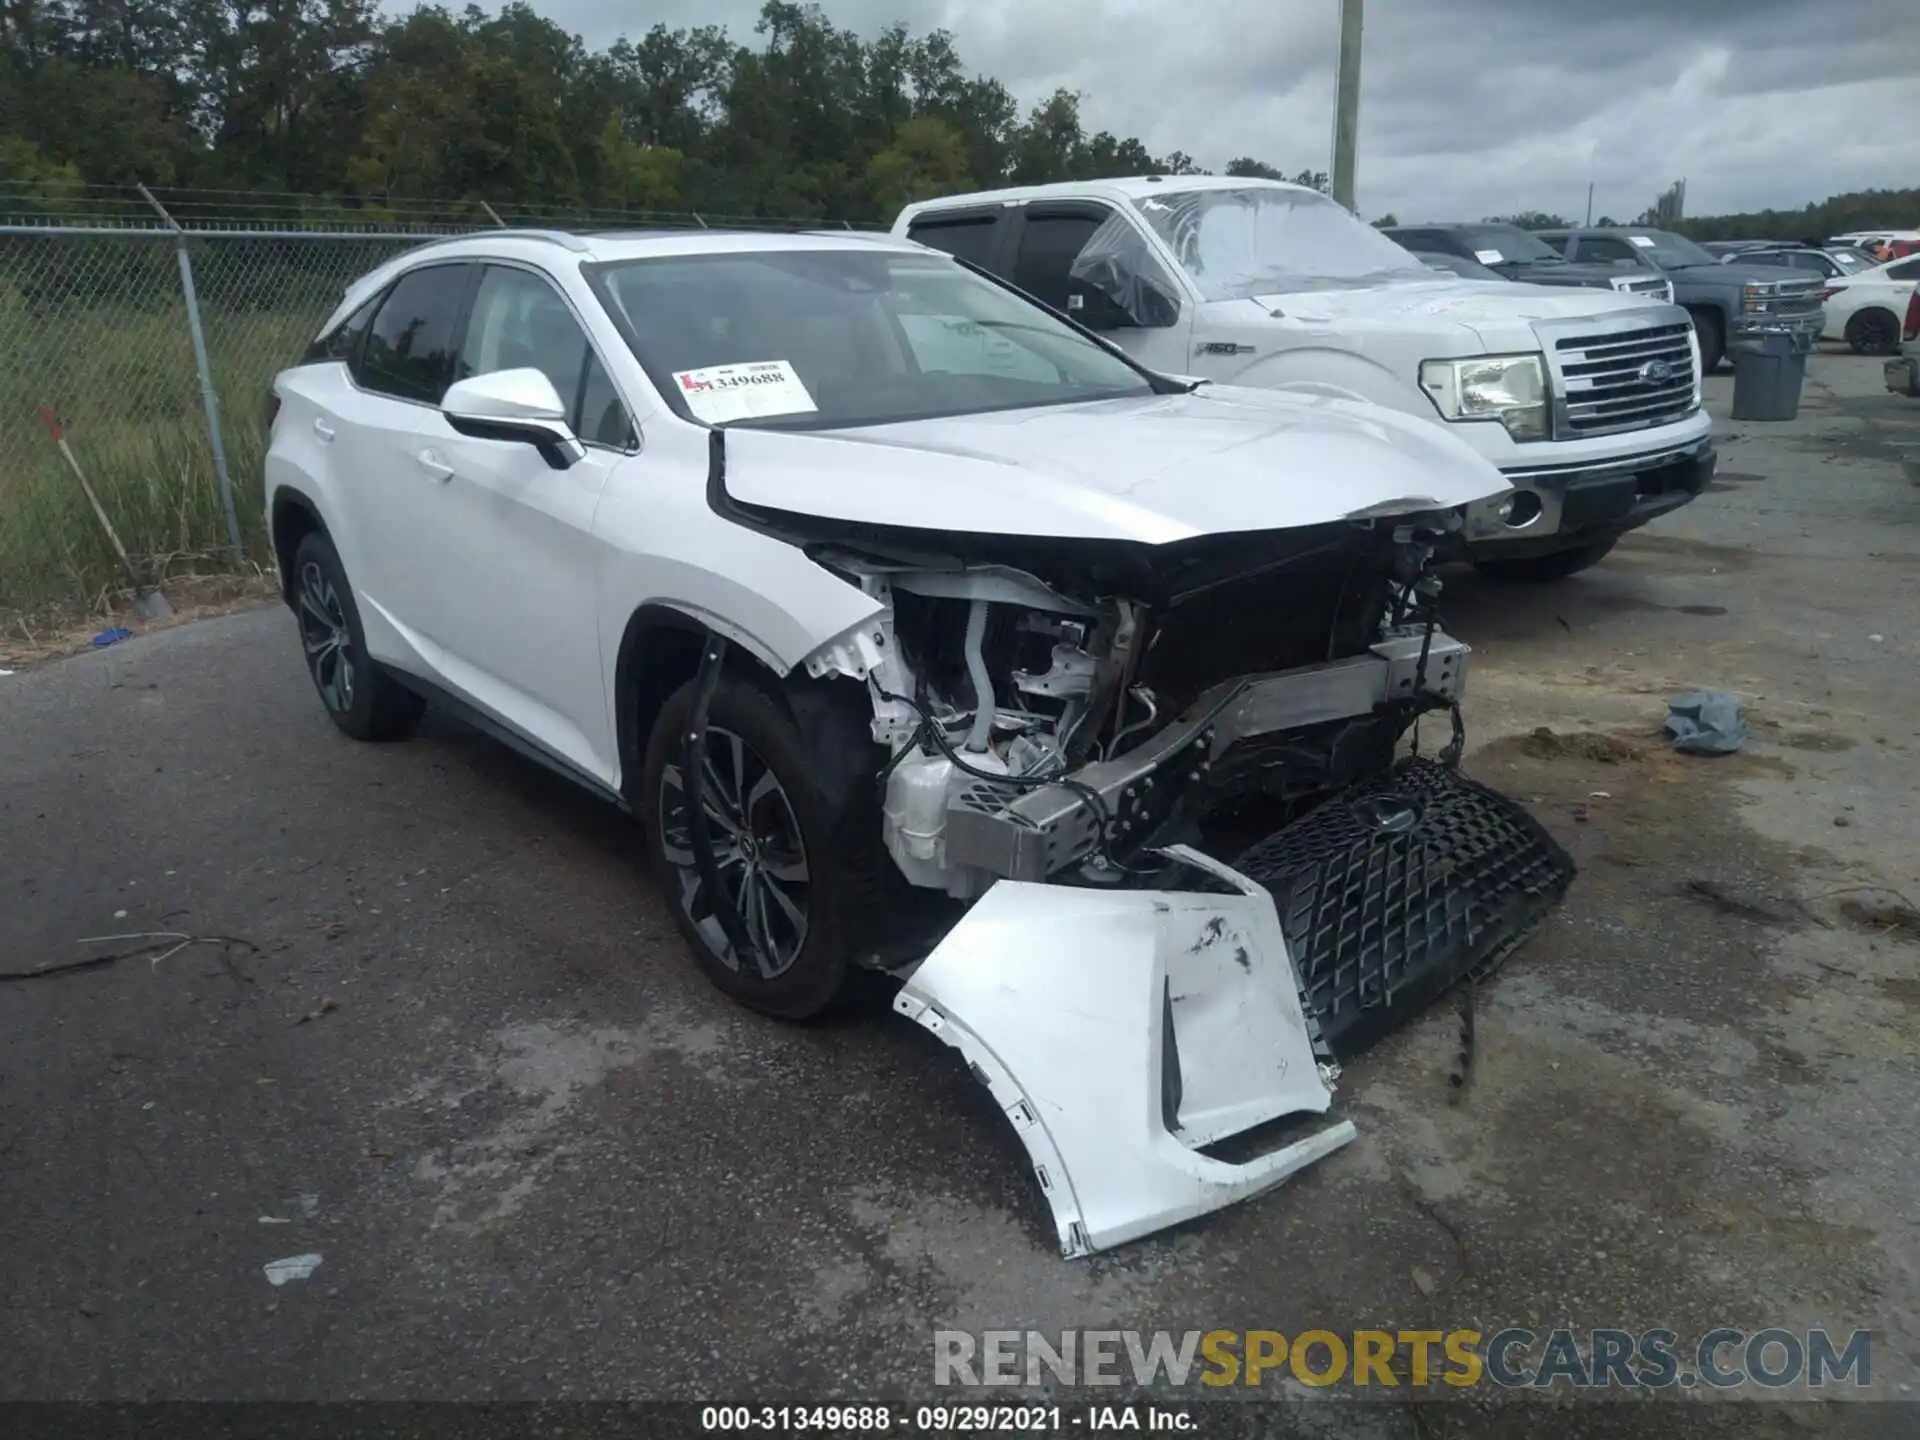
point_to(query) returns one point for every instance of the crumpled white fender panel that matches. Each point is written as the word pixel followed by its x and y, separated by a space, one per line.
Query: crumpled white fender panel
pixel 1079 1008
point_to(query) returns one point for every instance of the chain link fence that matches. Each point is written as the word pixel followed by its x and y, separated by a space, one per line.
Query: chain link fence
pixel 97 327
pixel 136 360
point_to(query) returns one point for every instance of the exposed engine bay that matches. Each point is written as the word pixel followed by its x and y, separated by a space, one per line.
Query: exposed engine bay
pixel 1072 731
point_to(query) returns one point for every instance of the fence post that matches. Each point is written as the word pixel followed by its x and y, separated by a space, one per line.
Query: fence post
pixel 209 398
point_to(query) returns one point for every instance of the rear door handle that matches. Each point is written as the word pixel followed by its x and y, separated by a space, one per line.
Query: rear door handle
pixel 431 462
pixel 323 430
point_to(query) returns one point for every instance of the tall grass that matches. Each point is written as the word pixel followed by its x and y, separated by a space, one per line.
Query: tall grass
pixel 97 328
pixel 141 438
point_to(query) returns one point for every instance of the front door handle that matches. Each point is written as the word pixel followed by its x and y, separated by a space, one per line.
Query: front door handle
pixel 431 462
pixel 323 430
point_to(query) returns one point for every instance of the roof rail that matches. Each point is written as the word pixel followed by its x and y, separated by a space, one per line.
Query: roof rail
pixel 565 238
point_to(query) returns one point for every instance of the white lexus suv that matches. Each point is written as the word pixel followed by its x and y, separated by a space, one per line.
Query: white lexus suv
pixel 927 632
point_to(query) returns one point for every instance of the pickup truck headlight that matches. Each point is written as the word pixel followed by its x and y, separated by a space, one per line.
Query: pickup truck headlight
pixel 1754 298
pixel 1509 388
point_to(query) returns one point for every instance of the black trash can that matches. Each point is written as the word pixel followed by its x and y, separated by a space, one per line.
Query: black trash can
pixel 1767 378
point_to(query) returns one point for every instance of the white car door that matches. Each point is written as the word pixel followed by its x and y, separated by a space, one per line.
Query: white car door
pixel 398 373
pixel 518 573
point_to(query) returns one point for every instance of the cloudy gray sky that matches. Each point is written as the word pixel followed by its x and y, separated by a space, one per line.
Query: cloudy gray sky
pixel 1469 107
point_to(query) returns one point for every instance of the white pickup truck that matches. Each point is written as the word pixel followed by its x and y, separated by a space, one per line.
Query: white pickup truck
pixel 1589 403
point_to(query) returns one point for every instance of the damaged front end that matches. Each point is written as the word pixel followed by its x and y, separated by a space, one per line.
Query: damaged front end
pixel 1074 731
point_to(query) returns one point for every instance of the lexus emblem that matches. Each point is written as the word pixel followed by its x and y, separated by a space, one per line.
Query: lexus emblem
pixel 1656 372
pixel 1387 814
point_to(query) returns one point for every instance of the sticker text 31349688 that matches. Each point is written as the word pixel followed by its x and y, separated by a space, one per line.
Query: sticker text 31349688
pixel 749 391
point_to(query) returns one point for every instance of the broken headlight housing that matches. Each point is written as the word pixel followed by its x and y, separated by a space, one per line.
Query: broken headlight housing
pixel 1509 388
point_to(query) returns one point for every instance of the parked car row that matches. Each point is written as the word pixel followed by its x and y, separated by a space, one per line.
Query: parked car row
pixel 1826 261
pixel 1516 254
pixel 1734 291
pixel 1865 308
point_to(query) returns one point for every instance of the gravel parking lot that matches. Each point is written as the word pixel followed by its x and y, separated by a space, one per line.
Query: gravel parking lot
pixel 461 1057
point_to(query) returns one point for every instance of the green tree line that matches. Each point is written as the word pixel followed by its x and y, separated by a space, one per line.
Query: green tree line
pixel 331 97
pixel 310 97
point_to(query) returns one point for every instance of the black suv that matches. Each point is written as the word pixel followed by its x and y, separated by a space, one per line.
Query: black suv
pixel 1510 251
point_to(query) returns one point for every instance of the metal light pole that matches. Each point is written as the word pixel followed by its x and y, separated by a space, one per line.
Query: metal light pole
pixel 1346 105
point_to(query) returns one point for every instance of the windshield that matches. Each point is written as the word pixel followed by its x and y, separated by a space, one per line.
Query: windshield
pixel 1851 260
pixel 1265 240
pixel 825 339
pixel 1670 251
pixel 1511 242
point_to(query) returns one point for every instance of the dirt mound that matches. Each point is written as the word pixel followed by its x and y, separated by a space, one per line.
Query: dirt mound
pixel 1547 744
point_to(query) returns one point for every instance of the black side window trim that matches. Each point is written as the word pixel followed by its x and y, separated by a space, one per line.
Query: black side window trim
pixel 320 351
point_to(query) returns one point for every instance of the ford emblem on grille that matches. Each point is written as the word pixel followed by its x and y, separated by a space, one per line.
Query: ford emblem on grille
pixel 1656 372
pixel 1388 814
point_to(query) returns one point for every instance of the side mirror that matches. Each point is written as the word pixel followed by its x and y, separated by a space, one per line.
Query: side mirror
pixel 1094 300
pixel 520 406
pixel 1096 309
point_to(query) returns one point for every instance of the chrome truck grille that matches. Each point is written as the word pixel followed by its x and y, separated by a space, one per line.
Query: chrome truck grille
pixel 1797 301
pixel 1630 379
pixel 1657 286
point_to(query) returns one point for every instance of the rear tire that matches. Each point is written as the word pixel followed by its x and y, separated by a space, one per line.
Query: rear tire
pixel 1542 569
pixel 360 698
pixel 798 857
pixel 1712 333
pixel 1874 332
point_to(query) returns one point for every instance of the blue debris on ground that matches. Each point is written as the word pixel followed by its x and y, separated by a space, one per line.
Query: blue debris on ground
pixel 112 637
pixel 1706 722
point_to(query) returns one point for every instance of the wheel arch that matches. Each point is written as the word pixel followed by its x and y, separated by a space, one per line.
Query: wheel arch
pixel 660 651
pixel 1871 311
pixel 292 518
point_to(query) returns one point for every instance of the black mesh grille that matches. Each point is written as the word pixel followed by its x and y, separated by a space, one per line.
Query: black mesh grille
pixel 1397 888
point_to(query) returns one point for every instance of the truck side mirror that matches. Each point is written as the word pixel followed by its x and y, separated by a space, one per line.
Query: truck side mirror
pixel 1096 309
pixel 1095 303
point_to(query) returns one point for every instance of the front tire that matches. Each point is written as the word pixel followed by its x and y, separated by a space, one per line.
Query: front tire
pixel 359 697
pixel 796 857
pixel 1542 569
pixel 1873 332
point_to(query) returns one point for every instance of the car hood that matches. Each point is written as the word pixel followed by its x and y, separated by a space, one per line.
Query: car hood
pixel 1735 273
pixel 1576 272
pixel 1156 469
pixel 1464 302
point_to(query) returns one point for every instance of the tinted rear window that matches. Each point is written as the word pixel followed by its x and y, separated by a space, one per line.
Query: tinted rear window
pixel 411 343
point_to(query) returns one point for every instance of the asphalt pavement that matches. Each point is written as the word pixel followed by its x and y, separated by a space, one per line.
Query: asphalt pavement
pixel 435 1031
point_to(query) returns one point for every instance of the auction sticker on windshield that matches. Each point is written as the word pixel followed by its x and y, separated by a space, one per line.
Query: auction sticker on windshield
pixel 752 391
pixel 1642 241
pixel 1488 257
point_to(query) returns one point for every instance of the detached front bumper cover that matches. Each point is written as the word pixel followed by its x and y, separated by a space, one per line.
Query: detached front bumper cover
pixel 1125 1033
pixel 1121 1031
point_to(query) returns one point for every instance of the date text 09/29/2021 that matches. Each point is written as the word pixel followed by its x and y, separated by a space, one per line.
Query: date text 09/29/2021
pixel 945 1419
